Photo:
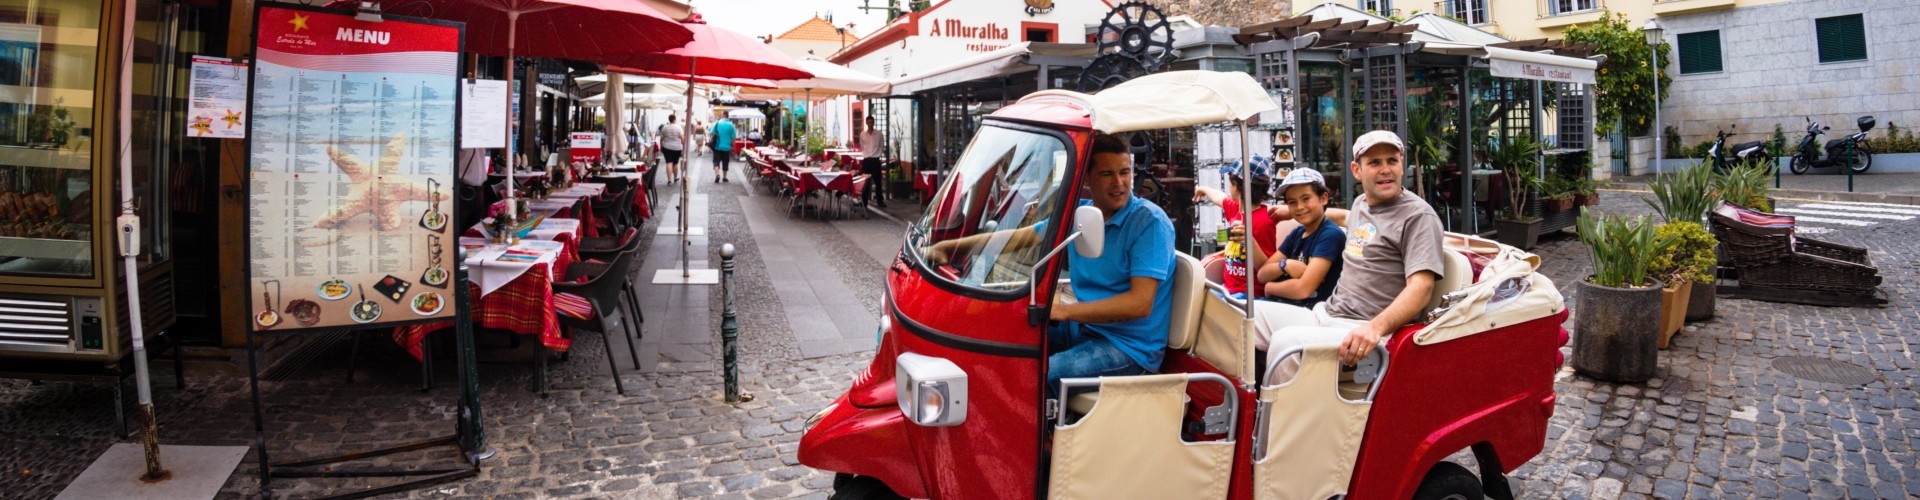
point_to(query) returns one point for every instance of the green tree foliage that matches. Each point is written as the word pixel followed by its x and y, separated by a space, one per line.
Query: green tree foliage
pixel 1624 84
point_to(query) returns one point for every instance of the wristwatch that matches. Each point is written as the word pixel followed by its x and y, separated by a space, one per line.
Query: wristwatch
pixel 1283 270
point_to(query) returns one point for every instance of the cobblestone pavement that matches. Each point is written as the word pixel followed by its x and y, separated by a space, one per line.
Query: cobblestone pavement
pixel 1717 422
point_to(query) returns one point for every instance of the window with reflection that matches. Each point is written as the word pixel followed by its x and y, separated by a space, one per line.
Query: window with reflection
pixel 48 52
pixel 1005 181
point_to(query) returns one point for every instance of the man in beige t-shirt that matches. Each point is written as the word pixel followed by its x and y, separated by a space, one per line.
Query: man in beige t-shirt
pixel 1392 259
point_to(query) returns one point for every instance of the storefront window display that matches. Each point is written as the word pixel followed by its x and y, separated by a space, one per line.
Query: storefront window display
pixel 48 56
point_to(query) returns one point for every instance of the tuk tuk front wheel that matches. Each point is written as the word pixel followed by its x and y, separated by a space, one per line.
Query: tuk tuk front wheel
pixel 852 487
pixel 1449 481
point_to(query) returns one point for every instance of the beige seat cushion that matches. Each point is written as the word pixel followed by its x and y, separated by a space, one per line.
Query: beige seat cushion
pixel 1189 289
pixel 1130 447
pixel 1459 274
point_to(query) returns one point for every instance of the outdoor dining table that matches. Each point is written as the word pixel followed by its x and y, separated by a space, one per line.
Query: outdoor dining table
pixel 515 294
pixel 812 179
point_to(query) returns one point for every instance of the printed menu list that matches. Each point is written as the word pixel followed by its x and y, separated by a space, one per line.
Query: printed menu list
pixel 350 170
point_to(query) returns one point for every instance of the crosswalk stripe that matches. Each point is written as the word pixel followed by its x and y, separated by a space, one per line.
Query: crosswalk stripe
pixel 1839 213
pixel 1858 208
pixel 1849 222
pixel 1872 204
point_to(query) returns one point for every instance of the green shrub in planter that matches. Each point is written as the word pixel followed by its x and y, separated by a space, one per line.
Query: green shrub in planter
pixel 1747 183
pixel 1689 256
pixel 1623 248
pixel 1684 195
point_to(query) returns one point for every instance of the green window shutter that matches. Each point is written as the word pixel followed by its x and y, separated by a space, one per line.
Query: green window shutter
pixel 1700 52
pixel 1842 38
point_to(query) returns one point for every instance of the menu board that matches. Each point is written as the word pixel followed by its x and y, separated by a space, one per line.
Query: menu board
pixel 217 98
pixel 350 166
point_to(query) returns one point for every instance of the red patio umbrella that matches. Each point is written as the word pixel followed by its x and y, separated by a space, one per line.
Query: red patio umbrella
pixel 585 30
pixel 714 52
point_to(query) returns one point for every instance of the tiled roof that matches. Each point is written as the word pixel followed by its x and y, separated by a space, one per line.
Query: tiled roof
pixel 816 30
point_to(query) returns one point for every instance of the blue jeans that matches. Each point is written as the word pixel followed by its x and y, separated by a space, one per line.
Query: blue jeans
pixel 1078 353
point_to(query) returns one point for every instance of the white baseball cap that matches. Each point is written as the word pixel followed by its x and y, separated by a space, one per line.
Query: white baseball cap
pixel 1370 139
pixel 1300 176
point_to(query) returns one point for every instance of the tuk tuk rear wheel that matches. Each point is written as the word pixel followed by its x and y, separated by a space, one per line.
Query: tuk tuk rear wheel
pixel 1449 481
pixel 852 487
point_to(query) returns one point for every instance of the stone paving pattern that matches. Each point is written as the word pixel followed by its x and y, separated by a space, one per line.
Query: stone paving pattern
pixel 1717 422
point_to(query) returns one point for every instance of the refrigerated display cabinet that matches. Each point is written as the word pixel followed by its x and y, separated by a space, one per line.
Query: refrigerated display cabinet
pixel 62 294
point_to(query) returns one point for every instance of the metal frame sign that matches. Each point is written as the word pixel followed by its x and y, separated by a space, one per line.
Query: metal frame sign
pixel 350 170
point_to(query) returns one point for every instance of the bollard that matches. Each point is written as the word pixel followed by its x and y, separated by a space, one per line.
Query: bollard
pixel 729 329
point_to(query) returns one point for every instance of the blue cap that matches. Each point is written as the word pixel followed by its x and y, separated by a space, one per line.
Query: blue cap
pixel 1262 168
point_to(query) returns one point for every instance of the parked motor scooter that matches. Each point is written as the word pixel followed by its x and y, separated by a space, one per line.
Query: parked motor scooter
pixel 1851 151
pixel 1741 153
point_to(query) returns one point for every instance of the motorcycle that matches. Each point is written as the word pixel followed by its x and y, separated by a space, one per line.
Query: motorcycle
pixel 1851 151
pixel 1742 153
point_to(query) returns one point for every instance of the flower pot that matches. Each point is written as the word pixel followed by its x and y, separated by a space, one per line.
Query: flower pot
pixel 1673 310
pixel 1700 305
pixel 1589 199
pixel 1614 338
pixel 1560 203
pixel 1518 234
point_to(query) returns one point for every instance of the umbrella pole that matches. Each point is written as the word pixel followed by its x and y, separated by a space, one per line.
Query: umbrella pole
pixel 513 21
pixel 692 62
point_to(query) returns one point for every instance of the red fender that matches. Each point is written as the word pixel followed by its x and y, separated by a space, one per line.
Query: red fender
pixel 864 441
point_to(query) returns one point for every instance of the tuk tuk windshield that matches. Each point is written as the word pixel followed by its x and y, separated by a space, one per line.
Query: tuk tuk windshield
pixel 1005 181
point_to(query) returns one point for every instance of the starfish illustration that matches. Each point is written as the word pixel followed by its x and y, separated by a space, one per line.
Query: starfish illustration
pixel 202 125
pixel 377 191
pixel 232 118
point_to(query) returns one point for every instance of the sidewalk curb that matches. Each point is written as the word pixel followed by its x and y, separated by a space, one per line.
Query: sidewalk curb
pixel 1799 194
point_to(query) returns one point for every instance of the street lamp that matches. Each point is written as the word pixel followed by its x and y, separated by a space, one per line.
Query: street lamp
pixel 1654 32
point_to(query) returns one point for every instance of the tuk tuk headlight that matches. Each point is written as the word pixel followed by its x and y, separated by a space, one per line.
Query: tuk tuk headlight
pixel 932 391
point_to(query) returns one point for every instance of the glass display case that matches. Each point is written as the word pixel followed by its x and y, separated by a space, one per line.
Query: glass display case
pixel 47 166
pixel 62 290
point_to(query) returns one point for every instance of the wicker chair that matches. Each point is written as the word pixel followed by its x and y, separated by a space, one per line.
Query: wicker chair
pixel 1777 265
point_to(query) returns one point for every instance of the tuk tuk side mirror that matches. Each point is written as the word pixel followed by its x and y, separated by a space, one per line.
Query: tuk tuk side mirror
pixel 1092 226
pixel 1090 230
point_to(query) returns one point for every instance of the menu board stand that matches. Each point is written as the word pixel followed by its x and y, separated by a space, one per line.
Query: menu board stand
pixel 359 114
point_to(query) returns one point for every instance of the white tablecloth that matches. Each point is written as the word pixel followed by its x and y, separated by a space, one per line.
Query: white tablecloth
pixel 485 268
pixel 580 190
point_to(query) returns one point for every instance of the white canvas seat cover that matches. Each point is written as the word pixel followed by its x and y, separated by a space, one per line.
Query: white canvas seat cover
pixel 1129 446
pixel 1483 306
pixel 1312 436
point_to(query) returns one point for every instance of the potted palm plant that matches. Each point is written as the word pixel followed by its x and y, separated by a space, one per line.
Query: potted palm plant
pixel 1614 337
pixel 1686 265
pixel 1746 184
pixel 1517 228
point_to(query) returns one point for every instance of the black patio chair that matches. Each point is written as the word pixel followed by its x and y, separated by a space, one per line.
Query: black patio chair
pixel 590 305
pixel 605 259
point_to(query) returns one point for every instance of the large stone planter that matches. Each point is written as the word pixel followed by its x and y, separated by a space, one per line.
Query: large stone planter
pixel 1615 339
pixel 1893 163
pixel 1673 311
pixel 1639 152
pixel 1700 305
pixel 1518 234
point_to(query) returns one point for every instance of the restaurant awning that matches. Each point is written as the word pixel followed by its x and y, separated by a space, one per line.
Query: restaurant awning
pixel 1015 59
pixel 1525 65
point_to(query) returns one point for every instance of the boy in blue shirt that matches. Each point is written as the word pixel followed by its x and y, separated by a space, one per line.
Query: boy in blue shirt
pixel 1308 264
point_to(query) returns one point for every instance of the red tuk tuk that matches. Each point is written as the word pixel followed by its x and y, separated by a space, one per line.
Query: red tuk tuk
pixel 952 405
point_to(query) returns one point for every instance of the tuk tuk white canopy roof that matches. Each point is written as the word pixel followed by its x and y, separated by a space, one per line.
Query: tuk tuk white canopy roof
pixel 1172 99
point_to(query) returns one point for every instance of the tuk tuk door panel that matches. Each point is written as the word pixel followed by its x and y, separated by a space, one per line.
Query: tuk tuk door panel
pixel 994 454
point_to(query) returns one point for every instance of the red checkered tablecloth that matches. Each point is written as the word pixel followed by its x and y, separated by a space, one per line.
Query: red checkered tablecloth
pixel 524 305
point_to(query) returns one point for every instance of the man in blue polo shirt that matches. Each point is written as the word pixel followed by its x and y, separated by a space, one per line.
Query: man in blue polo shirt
pixel 1118 323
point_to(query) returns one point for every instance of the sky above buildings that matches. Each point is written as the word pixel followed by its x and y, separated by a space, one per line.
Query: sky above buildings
pixel 759 18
